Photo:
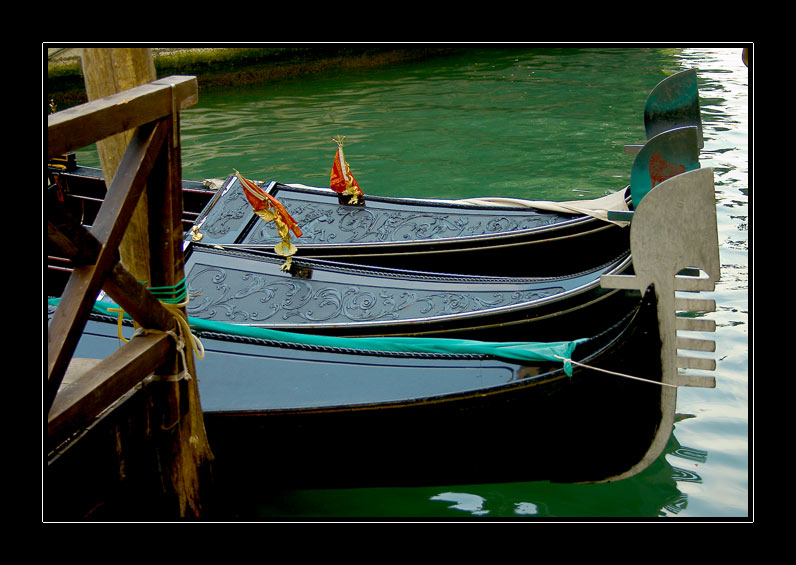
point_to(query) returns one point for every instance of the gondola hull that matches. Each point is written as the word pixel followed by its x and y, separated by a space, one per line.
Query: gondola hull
pixel 299 416
pixel 416 234
pixel 301 409
pixel 250 289
pixel 401 233
pixel 586 428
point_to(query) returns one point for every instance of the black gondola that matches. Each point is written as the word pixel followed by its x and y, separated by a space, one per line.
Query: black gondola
pixel 314 415
pixel 309 410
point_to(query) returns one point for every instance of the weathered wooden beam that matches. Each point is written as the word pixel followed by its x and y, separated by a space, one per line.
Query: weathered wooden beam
pixel 187 453
pixel 108 71
pixel 151 158
pixel 84 284
pixel 73 241
pixel 165 215
pixel 79 126
pixel 136 300
pixel 78 244
pixel 121 286
pixel 78 404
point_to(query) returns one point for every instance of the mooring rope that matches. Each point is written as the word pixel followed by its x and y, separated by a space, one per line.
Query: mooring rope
pixel 186 334
pixel 623 375
pixel 176 293
pixel 174 299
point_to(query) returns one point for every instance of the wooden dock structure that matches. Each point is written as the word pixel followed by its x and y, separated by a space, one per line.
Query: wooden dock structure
pixel 124 435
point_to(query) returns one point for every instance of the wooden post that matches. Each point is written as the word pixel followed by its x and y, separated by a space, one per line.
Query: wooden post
pixel 183 446
pixel 106 71
pixel 165 454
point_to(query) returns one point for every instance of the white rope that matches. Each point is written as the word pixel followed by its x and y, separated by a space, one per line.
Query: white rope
pixel 615 373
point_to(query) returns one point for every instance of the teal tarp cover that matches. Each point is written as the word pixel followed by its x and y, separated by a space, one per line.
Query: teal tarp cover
pixel 515 351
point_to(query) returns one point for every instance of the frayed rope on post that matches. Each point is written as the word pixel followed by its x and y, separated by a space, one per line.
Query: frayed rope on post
pixel 174 299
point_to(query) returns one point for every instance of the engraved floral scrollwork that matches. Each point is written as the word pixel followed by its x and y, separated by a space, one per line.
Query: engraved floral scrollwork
pixel 212 295
pixel 317 224
pixel 240 296
pixel 331 223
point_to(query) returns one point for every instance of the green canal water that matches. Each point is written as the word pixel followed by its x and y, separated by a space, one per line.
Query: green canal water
pixel 538 123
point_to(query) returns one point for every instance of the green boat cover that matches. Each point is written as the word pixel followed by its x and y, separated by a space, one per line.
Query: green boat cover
pixel 514 350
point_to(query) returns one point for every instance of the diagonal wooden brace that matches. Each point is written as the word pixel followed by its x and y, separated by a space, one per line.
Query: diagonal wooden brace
pixel 80 293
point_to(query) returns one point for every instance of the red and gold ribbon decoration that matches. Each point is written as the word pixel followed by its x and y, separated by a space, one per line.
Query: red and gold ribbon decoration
pixel 342 181
pixel 270 209
pixel 261 200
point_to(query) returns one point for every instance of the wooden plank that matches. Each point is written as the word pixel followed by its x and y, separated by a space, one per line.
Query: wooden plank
pixel 101 386
pixel 79 126
pixel 108 71
pixel 121 286
pixel 185 90
pixel 165 214
pixel 84 284
pixel 73 243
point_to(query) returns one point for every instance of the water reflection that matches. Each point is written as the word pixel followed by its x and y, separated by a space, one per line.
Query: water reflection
pixel 655 492
pixel 513 122
pixel 470 503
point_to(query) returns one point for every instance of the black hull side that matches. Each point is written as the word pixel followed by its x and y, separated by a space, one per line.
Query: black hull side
pixel 551 254
pixel 84 190
pixel 587 428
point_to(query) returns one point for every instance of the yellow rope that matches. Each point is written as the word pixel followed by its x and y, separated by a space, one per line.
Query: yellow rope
pixel 120 319
pixel 616 374
pixel 184 332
